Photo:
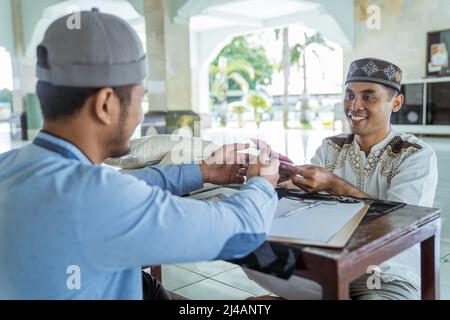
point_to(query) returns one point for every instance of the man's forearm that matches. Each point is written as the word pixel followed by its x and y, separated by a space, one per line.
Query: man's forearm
pixel 343 188
pixel 178 179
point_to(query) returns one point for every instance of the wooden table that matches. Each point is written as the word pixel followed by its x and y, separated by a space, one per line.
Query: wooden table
pixel 373 243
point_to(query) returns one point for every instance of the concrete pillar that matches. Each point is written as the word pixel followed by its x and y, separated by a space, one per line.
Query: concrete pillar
pixel 24 75
pixel 17 98
pixel 168 51
pixel 156 54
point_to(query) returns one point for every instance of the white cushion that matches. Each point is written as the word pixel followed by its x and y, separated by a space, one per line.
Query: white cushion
pixel 164 149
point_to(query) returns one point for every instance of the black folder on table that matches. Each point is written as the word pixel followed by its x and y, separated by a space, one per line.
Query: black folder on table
pixel 377 207
pixel 319 222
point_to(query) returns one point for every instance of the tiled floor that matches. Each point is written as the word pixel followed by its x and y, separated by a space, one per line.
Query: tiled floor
pixel 222 280
pixel 210 281
pixel 210 289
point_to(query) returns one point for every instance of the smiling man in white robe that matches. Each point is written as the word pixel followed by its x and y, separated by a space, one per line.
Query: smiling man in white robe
pixel 373 161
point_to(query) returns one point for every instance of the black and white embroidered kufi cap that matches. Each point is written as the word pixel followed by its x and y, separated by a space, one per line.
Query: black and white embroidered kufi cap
pixel 375 71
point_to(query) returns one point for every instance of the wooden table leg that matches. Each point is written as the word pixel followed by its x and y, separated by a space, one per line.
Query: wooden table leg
pixel 335 290
pixel 430 251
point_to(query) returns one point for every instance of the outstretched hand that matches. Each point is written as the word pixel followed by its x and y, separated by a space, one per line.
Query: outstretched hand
pixel 312 178
pixel 285 162
pixel 226 165
pixel 265 167
pixel 317 179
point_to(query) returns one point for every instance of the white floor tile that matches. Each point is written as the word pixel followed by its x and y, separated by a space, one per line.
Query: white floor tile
pixel 208 269
pixel 445 293
pixel 445 249
pixel 212 290
pixel 238 279
pixel 174 278
pixel 445 274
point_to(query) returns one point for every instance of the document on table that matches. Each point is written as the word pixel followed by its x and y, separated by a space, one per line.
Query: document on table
pixel 309 223
pixel 319 223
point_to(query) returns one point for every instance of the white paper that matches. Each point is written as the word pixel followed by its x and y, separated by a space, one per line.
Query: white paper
pixel 287 206
pixel 319 223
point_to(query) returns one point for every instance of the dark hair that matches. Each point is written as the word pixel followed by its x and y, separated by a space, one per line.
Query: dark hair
pixel 391 92
pixel 61 102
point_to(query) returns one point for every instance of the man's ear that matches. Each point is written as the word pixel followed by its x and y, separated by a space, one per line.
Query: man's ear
pixel 398 102
pixel 104 105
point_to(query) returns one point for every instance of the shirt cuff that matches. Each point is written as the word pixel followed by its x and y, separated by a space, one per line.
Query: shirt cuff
pixel 260 181
pixel 192 177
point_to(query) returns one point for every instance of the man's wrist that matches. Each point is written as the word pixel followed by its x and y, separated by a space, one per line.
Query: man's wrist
pixel 204 171
pixel 339 187
pixel 343 188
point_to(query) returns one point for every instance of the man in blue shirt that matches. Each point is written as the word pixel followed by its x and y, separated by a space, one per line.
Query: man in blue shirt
pixel 72 229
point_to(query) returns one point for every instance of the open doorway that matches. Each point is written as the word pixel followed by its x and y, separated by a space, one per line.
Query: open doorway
pixel 274 67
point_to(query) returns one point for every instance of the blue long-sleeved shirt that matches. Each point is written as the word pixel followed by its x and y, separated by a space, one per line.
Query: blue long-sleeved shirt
pixel 73 230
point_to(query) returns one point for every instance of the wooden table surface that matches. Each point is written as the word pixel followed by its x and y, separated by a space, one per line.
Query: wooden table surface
pixel 373 243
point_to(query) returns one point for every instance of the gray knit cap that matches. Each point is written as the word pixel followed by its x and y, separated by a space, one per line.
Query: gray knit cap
pixel 104 51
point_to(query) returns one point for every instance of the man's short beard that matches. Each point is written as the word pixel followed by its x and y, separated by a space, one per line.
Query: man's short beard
pixel 119 145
